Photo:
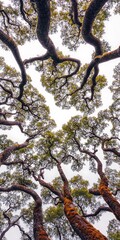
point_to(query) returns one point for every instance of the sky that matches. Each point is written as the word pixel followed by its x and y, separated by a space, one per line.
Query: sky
pixel 62 116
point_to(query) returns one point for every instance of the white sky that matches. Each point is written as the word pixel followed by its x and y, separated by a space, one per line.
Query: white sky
pixel 62 116
pixel 83 53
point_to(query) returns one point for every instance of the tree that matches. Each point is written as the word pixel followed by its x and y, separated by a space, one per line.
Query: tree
pixel 68 206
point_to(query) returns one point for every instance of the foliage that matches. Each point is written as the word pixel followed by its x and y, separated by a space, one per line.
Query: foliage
pixel 81 159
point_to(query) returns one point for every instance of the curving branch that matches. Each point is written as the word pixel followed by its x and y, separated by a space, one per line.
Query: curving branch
pixel 50 187
pixel 38 229
pixel 23 232
pixel 107 56
pixel 23 13
pixel 110 149
pixel 8 80
pixel 90 15
pixel 74 13
pixel 5 113
pixel 14 49
pixel 113 150
pixel 96 192
pixel 11 123
pixel 80 225
pixel 43 10
pixel 7 19
pixel 67 193
pixel 43 25
pixel 8 151
pixel 69 59
pixel 40 58
pixel 103 186
pixel 9 92
pixel 100 209
pixel 117 190
pixel 10 224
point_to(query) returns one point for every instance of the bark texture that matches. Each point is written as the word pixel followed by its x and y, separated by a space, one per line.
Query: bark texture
pixel 109 199
pixel 80 225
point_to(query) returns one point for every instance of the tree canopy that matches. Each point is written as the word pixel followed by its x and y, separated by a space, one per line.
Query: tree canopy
pixel 38 196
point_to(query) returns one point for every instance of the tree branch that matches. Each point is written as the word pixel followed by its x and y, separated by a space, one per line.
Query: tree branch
pixel 74 12
pixel 51 188
pixel 90 15
pixel 11 123
pixel 40 58
pixel 43 10
pixel 7 152
pixel 97 60
pixel 38 229
pixel 10 225
pixel 23 232
pixel 100 209
pixel 22 11
pixel 106 149
pixel 14 49
pixel 80 225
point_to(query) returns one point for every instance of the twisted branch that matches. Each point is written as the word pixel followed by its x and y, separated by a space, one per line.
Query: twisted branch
pixel 90 15
pixel 14 49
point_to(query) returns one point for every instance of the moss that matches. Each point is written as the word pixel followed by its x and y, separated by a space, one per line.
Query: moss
pixel 43 235
pixel 110 199
pixel 80 225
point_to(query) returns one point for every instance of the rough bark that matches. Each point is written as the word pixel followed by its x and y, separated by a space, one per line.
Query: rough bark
pixel 103 187
pixel 109 198
pixel 38 228
pixel 81 226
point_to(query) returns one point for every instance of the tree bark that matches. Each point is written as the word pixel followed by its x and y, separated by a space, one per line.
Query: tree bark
pixel 38 228
pixel 80 225
pixel 109 199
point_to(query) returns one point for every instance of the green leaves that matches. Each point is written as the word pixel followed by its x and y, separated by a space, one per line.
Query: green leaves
pixel 39 158
pixel 53 214
pixel 114 230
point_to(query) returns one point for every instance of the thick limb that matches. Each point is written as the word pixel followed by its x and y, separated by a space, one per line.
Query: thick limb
pixel 9 42
pixel 90 15
pixel 80 225
pixel 38 228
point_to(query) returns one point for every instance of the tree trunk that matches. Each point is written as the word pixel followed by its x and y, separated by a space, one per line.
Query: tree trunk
pixel 80 225
pixel 39 231
pixel 109 199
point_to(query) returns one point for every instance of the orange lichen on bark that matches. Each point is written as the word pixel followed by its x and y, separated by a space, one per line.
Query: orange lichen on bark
pixel 80 225
pixel 109 199
pixel 43 235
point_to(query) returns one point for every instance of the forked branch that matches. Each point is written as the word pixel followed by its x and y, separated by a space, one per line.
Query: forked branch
pixel 38 229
